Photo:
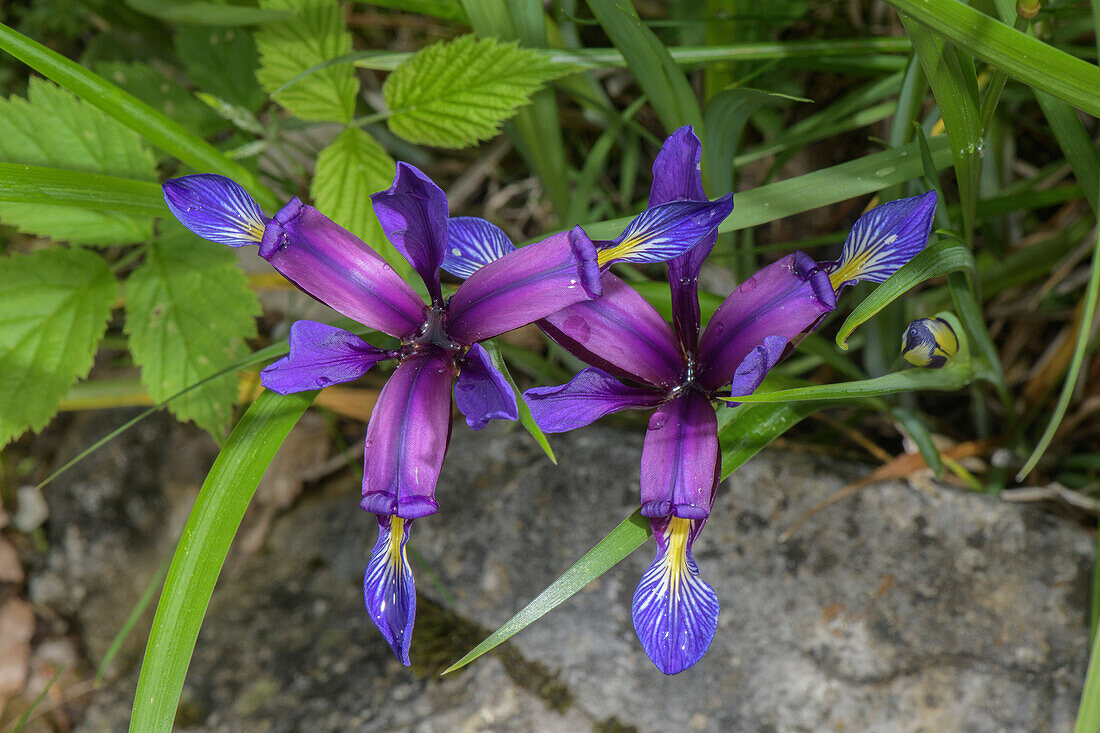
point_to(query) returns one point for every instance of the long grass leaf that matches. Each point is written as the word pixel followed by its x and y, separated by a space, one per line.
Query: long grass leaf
pixel 31 184
pixel 202 549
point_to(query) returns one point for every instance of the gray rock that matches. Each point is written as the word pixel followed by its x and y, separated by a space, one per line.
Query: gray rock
pixel 894 610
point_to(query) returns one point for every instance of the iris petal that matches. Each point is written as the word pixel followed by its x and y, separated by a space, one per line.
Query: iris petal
pixel 884 239
pixel 524 286
pixel 413 214
pixel 473 243
pixel 584 399
pixel 407 438
pixel 338 269
pixel 675 611
pixel 321 355
pixel 215 208
pixel 680 458
pixel 756 365
pixel 481 391
pixel 663 232
pixel 389 591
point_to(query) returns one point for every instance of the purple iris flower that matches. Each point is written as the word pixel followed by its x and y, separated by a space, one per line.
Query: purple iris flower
pixel 638 361
pixel 410 426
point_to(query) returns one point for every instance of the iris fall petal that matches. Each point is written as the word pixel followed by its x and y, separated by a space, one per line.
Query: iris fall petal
pixel 388 588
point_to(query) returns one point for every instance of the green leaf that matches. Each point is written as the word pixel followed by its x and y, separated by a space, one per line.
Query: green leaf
pixel 35 185
pixel 201 553
pixel 314 35
pixel 53 128
pixel 188 313
pixel 1088 714
pixel 56 305
pixel 162 93
pixel 952 377
pixel 1028 59
pixel 657 73
pixel 349 170
pixel 222 62
pixel 443 9
pixel 455 94
pixel 939 259
pixel 525 417
pixel 742 432
pixel 156 128
pixel 203 13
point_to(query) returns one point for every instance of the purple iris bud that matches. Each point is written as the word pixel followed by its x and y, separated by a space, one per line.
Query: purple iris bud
pixel 410 427
pixel 679 373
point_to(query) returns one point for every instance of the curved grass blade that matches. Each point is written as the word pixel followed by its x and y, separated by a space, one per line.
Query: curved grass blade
pixel 1088 714
pixel 202 549
pixel 160 130
pixel 525 417
pixel 32 184
pixel 939 259
pixel 131 621
pixel 1027 59
pixel 956 376
pixel 26 716
pixel 743 431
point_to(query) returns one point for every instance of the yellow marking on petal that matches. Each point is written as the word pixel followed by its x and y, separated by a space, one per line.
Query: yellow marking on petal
pixel 850 270
pixel 947 343
pixel 395 551
pixel 675 559
pixel 253 230
pixel 622 249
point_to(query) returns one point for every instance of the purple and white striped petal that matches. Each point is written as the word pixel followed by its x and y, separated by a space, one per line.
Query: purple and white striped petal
pixel 321 355
pixel 675 611
pixel 884 239
pixel 335 267
pixel 524 286
pixel 481 391
pixel 584 399
pixel 757 365
pixel 621 333
pixel 783 299
pixel 407 437
pixel 413 214
pixel 215 208
pixel 663 232
pixel 388 588
pixel 473 243
pixel 677 176
pixel 680 458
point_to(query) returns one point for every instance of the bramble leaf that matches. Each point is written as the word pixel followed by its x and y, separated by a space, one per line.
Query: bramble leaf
pixel 455 94
pixel 314 35
pixel 53 128
pixel 56 305
pixel 188 313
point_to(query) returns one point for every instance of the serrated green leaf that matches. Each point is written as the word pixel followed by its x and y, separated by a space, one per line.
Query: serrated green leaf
pixel 56 305
pixel 455 94
pixel 222 62
pixel 349 170
pixel 188 313
pixel 314 35
pixel 53 128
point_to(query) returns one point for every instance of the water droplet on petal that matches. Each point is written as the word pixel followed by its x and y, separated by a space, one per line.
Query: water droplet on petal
pixel 748 286
pixel 577 328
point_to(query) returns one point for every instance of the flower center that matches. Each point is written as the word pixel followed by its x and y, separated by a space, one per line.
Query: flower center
pixel 433 334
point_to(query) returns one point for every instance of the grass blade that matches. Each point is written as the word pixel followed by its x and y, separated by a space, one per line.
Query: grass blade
pixel 31 184
pixel 201 552
pixel 128 625
pixel 160 130
pixel 1027 59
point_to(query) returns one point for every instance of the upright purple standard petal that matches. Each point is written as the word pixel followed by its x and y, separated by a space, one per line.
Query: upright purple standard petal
pixel 413 213
pixel 473 243
pixel 215 208
pixel 524 286
pixel 675 612
pixel 321 355
pixel 663 232
pixel 388 588
pixel 407 437
pixel 621 333
pixel 335 267
pixel 584 399
pixel 677 176
pixel 481 391
pixel 680 458
pixel 884 239
pixel 783 299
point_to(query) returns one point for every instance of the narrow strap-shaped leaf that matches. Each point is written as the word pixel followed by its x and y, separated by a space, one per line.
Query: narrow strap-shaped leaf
pixel 525 417
pixel 743 431
pixel 1028 59
pixel 157 128
pixel 939 259
pixel 201 552
pixel 1088 714
pixel 32 184
pixel 907 380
